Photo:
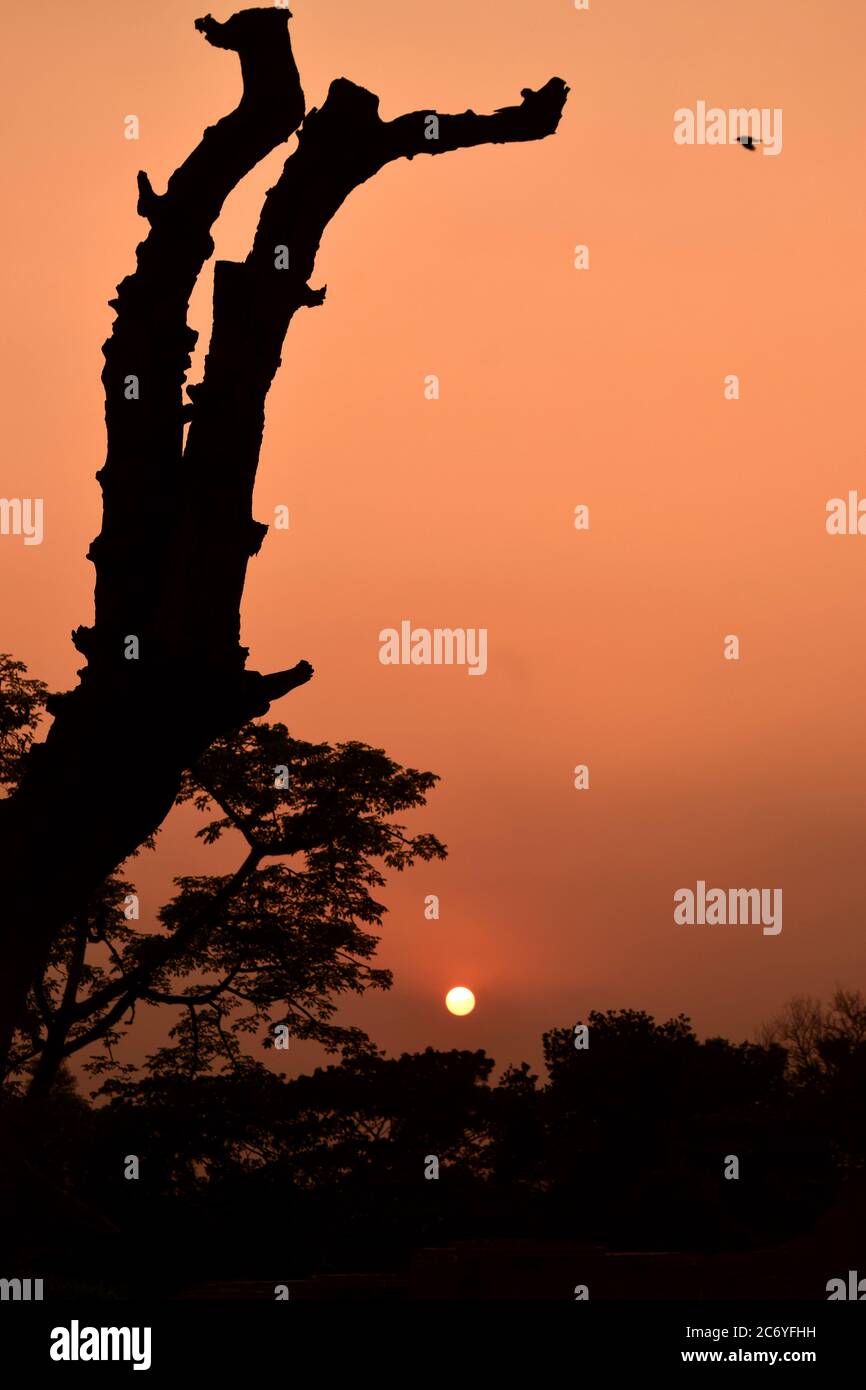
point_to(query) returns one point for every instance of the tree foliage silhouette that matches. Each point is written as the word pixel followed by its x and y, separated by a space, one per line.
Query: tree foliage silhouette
pixel 275 942
pixel 22 701
pixel 622 1146
pixel 819 1039
pixel 177 525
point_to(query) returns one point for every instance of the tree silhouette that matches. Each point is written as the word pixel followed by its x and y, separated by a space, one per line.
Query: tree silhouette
pixel 642 1120
pixel 826 1050
pixel 622 1147
pixel 22 701
pixel 273 943
pixel 164 671
pixel 818 1038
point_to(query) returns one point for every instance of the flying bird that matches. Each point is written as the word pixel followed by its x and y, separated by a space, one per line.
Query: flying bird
pixel 748 142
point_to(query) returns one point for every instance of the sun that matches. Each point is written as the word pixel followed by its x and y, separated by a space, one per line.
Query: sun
pixel 460 1000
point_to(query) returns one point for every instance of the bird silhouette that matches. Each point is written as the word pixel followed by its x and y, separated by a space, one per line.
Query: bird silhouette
pixel 748 142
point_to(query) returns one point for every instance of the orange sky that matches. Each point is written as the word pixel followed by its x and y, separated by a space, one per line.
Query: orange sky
pixel 558 387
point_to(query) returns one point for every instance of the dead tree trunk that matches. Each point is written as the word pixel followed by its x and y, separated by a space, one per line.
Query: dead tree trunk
pixel 165 672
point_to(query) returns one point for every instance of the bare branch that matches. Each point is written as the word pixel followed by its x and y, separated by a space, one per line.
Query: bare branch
pixel 339 147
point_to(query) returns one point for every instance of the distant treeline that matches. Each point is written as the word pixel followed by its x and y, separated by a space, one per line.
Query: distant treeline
pixel 627 1143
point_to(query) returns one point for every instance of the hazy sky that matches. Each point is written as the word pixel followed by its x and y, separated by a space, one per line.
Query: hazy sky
pixel 558 387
